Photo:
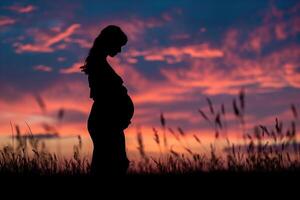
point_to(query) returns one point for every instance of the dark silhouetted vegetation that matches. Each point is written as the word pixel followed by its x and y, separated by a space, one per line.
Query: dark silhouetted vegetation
pixel 264 149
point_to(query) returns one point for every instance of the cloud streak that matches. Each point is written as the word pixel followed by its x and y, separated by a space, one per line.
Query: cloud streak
pixel 44 42
pixel 22 9
pixel 5 21
pixel 42 68
pixel 177 54
pixel 75 68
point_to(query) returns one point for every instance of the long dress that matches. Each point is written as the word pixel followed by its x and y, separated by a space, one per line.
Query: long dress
pixel 110 114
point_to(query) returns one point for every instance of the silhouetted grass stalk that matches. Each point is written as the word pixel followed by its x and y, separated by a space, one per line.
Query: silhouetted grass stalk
pixel 266 149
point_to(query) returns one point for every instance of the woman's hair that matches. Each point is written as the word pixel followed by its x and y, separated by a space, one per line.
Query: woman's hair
pixel 110 36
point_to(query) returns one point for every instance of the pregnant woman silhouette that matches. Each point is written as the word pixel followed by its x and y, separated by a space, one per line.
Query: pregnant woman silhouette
pixel 112 109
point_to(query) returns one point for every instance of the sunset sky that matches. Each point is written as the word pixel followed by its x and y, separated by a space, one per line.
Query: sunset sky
pixel 178 53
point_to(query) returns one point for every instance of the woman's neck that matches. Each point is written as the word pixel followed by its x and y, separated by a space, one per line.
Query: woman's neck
pixel 102 55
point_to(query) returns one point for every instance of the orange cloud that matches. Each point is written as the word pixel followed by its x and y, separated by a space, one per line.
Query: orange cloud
pixel 44 42
pixel 75 68
pixel 176 54
pixel 267 72
pixel 292 74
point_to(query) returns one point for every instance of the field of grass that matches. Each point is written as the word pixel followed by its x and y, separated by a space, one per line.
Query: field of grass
pixel 264 150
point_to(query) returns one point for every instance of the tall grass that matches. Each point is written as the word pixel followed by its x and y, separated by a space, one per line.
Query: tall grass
pixel 29 156
pixel 264 149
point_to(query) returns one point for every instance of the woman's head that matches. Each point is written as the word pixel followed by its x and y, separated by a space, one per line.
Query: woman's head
pixel 108 43
pixel 110 40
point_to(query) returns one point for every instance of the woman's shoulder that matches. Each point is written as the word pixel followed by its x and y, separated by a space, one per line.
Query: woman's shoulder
pixel 106 77
pixel 104 72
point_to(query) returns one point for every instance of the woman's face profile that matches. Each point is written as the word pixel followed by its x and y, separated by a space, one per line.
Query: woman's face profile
pixel 114 47
pixel 114 50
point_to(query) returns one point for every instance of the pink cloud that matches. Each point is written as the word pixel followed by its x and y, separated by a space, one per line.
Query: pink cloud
pixel 292 74
pixel 45 42
pixel 5 21
pixel 203 76
pixel 274 27
pixel 22 9
pixel 258 38
pixel 177 54
pixel 42 68
pixel 132 60
pixel 268 73
pixel 280 31
pixel 230 41
pixel 75 68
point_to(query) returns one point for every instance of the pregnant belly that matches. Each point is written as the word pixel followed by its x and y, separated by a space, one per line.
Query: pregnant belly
pixel 127 108
pixel 117 110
